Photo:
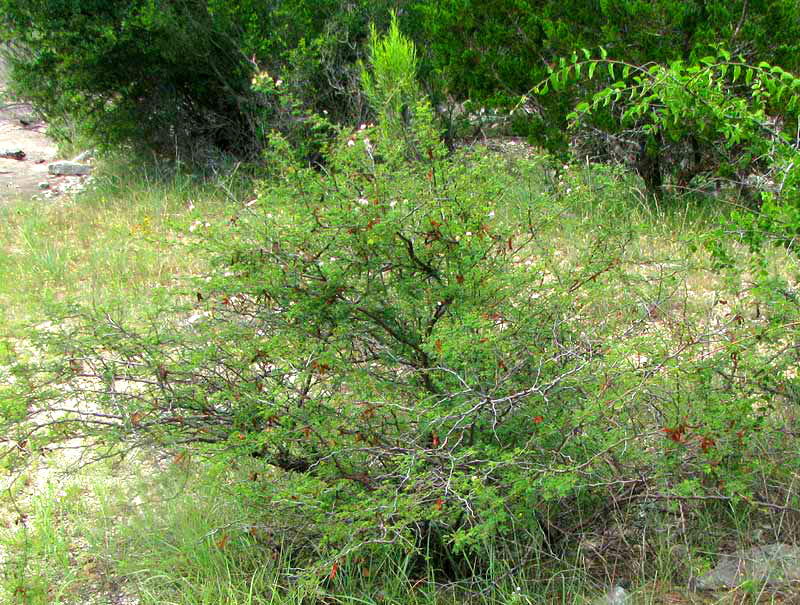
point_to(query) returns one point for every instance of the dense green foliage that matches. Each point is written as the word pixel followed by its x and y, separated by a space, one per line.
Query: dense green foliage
pixel 169 72
pixel 174 76
pixel 411 371
pixel 158 73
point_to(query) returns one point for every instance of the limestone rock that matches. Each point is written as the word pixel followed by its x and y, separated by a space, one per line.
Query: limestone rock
pixel 617 595
pixel 68 169
pixel 773 565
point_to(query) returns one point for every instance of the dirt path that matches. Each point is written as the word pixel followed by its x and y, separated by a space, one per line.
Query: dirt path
pixel 21 131
pixel 21 178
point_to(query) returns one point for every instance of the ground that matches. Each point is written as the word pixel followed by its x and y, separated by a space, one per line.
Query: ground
pixel 21 178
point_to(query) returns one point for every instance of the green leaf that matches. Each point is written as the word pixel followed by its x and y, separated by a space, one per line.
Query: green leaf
pixel 582 107
pixel 592 67
pixel 748 76
pixel 737 71
pixel 603 53
pixel 611 70
pixel 586 53
pixel 625 71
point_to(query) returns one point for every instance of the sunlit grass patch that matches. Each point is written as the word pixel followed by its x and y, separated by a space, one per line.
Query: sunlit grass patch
pixel 111 246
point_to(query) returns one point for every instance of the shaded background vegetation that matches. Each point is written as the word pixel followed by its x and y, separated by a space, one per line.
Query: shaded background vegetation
pixel 172 75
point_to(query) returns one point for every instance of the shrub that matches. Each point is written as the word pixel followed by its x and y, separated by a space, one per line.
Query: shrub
pixel 396 347
pixel 173 76
pixel 391 86
pixel 493 56
pixel 163 75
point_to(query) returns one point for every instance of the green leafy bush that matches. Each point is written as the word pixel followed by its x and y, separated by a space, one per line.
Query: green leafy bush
pixel 717 119
pixel 396 346
pixel 173 76
pixel 495 53
pixel 162 75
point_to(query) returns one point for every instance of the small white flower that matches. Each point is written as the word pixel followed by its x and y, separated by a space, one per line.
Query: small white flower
pixel 491 214
pixel 468 233
pixel 350 143
pixel 393 203
pixel 362 127
pixel 279 82
pixel 363 201
pixel 251 202
pixel 569 190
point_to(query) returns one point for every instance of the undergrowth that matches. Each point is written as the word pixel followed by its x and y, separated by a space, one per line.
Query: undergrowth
pixel 193 529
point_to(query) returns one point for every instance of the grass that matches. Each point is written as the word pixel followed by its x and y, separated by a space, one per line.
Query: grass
pixel 175 533
pixel 113 246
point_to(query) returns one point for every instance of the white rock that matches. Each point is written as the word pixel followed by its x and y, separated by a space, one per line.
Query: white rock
pixel 773 565
pixel 616 596
pixel 68 169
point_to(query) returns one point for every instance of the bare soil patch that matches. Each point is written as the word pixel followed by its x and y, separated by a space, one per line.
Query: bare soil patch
pixel 18 130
